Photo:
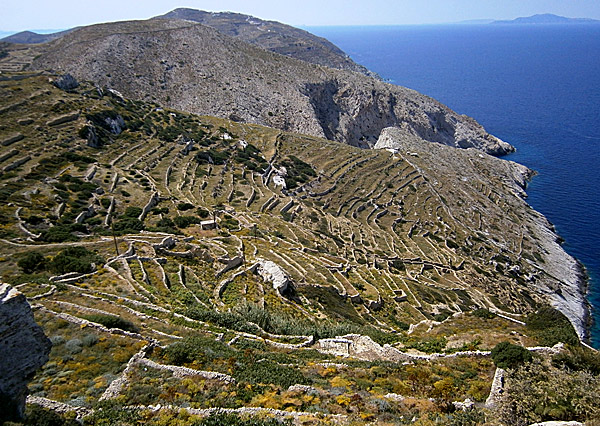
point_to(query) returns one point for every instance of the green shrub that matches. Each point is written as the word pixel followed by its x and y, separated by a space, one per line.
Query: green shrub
pixel 483 313
pixel 267 372
pixel 230 320
pixel 507 355
pixel 58 234
pixel 539 393
pixel 112 321
pixel 32 262
pixel 470 417
pixel 230 223
pixel 230 419
pixel 74 259
pixel 431 345
pixel 197 348
pixel 128 225
pixel 105 202
pixel 578 358
pixel 185 206
pixel 165 225
pixel 550 326
pixel 185 221
pixel 133 212
pixel 77 158
pixel 212 156
pixel 36 415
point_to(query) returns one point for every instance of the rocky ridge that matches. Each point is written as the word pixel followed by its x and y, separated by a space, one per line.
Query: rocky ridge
pixel 197 69
pixel 273 36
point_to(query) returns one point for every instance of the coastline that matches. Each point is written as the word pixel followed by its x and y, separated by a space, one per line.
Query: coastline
pixel 589 318
pixel 582 318
pixel 577 280
pixel 566 283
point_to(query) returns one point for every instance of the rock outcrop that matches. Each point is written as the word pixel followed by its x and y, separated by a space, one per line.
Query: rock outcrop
pixel 274 274
pixel 23 349
pixel 66 82
pixel 464 136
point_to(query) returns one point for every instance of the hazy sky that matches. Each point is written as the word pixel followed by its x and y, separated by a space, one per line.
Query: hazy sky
pixel 19 15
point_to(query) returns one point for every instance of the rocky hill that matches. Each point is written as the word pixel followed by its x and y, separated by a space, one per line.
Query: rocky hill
pixel 274 36
pixel 184 264
pixel 30 37
pixel 195 68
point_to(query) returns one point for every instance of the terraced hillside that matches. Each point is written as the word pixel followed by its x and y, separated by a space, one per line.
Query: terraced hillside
pixel 197 262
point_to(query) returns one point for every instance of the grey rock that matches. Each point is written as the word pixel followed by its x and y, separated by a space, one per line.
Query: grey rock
pixel 274 274
pixel 115 125
pixel 23 349
pixel 90 133
pixel 66 82
pixel 230 264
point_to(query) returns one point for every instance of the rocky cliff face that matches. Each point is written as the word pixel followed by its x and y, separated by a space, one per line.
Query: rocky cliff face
pixel 274 36
pixel 195 68
pixel 23 349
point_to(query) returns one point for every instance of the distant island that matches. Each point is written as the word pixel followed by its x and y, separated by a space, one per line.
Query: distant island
pixel 548 18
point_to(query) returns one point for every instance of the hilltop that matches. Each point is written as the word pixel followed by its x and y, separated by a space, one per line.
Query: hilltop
pixel 273 36
pixel 32 37
pixel 273 252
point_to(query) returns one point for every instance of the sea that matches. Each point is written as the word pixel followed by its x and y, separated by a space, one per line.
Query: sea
pixel 534 86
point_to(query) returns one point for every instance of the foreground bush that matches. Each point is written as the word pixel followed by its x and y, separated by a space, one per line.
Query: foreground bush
pixel 32 262
pixel 540 393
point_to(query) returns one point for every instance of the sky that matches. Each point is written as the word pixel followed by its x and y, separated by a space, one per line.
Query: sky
pixel 18 15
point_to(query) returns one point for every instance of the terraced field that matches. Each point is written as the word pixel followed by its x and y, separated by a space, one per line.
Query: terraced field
pixel 263 246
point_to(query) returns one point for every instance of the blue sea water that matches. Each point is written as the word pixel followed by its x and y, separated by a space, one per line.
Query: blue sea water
pixel 535 86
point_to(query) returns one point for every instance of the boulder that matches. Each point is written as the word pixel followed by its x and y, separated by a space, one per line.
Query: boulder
pixel 23 349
